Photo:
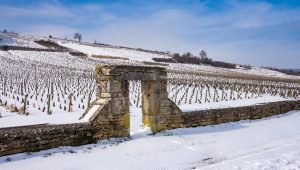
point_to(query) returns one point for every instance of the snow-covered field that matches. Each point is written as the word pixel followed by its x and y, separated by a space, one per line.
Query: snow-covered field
pixel 115 52
pixel 13 119
pixel 271 143
pixel 231 103
pixel 63 117
pixel 14 40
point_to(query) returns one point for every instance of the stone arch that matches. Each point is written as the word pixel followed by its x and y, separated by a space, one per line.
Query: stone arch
pixel 111 108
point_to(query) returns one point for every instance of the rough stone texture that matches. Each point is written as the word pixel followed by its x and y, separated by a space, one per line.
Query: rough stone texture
pixel 217 116
pixel 39 137
pixel 159 112
pixel 110 120
pixel 8 47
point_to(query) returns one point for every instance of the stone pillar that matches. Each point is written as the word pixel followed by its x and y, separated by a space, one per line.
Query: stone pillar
pixel 113 92
pixel 159 112
pixel 151 105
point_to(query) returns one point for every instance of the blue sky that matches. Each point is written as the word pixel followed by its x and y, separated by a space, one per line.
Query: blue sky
pixel 262 33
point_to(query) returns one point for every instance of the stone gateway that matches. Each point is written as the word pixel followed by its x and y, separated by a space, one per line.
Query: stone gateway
pixel 112 103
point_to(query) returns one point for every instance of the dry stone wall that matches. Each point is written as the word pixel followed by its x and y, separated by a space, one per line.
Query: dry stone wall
pixel 217 116
pixel 38 137
pixel 7 47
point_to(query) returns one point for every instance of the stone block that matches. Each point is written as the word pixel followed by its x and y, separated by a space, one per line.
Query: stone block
pixel 113 86
pixel 111 95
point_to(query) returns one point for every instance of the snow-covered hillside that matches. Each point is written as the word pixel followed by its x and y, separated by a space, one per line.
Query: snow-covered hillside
pixel 114 52
pixel 135 56
pixel 60 74
pixel 15 40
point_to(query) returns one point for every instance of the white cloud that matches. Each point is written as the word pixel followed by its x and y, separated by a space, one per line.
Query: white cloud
pixel 54 30
pixel 237 35
pixel 244 33
pixel 44 10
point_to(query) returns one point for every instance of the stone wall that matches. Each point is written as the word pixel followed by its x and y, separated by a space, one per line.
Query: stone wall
pixel 39 137
pixel 9 47
pixel 102 126
pixel 217 116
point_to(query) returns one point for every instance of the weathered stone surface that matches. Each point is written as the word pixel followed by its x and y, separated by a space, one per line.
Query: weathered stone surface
pixel 112 84
pixel 140 76
pixel 217 116
pixel 38 137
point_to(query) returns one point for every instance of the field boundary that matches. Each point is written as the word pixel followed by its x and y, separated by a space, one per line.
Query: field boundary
pixel 40 137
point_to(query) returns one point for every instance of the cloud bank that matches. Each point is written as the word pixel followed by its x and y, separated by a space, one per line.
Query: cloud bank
pixel 260 33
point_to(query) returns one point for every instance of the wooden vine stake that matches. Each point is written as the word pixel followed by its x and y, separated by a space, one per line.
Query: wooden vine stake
pixel 89 100
pixel 25 104
pixel 49 104
pixel 70 102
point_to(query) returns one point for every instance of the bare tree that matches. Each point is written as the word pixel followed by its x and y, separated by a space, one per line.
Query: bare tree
pixel 203 54
pixel 5 30
pixel 78 36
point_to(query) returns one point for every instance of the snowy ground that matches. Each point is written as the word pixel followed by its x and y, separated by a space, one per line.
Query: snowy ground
pixel 13 119
pixel 114 52
pixel 271 143
pixel 63 117
pixel 231 103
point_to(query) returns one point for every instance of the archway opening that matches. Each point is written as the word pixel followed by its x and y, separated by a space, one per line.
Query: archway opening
pixel 137 127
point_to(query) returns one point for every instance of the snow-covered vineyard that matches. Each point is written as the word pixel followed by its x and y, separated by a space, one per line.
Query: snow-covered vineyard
pixel 56 87
pixel 51 83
